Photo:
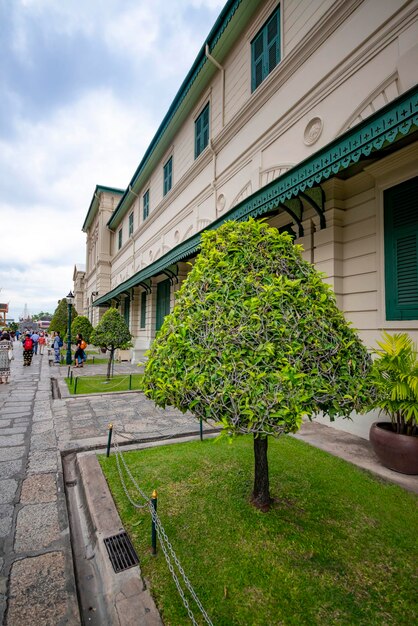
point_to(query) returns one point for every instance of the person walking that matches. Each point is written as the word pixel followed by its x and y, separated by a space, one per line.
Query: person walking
pixel 6 355
pixel 27 349
pixel 80 355
pixel 57 343
pixel 35 339
pixel 41 342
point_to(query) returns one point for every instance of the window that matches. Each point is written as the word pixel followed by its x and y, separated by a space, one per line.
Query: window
pixel 127 311
pixel 401 250
pixel 143 309
pixel 145 205
pixel 201 131
pixel 119 239
pixel 163 302
pixel 131 223
pixel 265 50
pixel 168 176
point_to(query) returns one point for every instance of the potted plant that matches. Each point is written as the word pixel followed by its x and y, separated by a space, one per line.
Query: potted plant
pixel 395 376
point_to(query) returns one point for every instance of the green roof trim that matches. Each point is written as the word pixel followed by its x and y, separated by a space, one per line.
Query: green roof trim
pixel 387 126
pixel 94 203
pixel 212 40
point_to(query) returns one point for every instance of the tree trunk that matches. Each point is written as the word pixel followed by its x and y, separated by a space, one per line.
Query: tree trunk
pixel 261 494
pixel 109 365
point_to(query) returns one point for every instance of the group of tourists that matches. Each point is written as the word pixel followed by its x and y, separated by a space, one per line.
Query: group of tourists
pixel 32 342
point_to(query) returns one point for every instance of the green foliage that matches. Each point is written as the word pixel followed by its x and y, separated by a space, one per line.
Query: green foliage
pixel 256 340
pixel 395 374
pixel 111 333
pixel 337 549
pixel 81 325
pixel 43 315
pixel 59 320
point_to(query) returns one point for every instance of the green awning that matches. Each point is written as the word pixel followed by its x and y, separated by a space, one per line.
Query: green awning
pixel 389 125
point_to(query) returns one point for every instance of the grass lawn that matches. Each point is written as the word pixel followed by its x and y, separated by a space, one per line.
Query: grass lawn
pixel 100 384
pixel 338 546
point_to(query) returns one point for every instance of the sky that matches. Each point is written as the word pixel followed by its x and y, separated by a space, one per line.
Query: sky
pixel 84 85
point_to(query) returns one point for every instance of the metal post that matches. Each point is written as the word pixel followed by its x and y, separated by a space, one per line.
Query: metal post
pixel 154 500
pixel 201 429
pixel 71 377
pixel 69 359
pixel 75 386
pixel 93 360
pixel 68 372
pixel 109 439
pixel 130 382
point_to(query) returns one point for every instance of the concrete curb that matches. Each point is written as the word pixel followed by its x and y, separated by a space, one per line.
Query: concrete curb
pixel 128 601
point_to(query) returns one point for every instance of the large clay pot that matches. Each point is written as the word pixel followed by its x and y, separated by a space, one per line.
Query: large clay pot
pixel 397 452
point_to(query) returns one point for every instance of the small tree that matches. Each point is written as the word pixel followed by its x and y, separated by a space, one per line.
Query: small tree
pixel 111 333
pixel 255 342
pixel 59 320
pixel 81 325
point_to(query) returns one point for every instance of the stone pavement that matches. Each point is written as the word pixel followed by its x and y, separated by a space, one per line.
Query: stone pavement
pixel 36 579
pixel 36 569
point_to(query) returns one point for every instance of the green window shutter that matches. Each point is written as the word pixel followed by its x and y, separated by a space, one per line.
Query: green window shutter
pixel 163 302
pixel 127 311
pixel 143 309
pixel 201 138
pixel 145 205
pixel 401 250
pixel 131 224
pixel 119 239
pixel 168 176
pixel 265 50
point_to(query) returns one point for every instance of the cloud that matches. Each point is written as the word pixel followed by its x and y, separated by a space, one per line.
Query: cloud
pixel 84 87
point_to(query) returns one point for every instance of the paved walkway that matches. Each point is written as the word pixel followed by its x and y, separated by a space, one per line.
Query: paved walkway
pixel 36 570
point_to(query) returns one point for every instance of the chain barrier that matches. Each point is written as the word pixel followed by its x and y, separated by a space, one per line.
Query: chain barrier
pixel 86 379
pixel 167 548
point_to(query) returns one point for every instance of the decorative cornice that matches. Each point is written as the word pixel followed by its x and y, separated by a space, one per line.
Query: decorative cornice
pixel 212 40
pixel 387 126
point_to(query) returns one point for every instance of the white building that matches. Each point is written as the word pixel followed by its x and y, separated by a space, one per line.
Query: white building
pixel 304 111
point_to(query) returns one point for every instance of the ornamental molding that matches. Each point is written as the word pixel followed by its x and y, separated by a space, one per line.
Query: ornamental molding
pixel 277 79
pixel 243 193
pixel 271 173
pixel 392 123
pixel 313 131
pixel 197 167
pixel 385 93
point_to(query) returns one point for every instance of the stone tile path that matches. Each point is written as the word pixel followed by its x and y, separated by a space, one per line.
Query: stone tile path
pixel 36 570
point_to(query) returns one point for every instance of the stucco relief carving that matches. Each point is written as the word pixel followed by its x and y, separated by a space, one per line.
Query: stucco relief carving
pixel 244 193
pixel 153 254
pixel 188 233
pixel 220 203
pixel 385 93
pixel 177 236
pixel 313 130
pixel 202 223
pixel 267 175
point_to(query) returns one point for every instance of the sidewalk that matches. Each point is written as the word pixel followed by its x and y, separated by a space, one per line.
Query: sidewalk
pixel 36 569
pixel 37 581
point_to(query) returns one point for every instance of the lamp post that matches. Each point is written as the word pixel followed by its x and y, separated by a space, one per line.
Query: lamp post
pixel 70 301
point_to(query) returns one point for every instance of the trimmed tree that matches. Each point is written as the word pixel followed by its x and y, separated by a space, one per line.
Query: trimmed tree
pixel 82 325
pixel 111 333
pixel 60 318
pixel 255 342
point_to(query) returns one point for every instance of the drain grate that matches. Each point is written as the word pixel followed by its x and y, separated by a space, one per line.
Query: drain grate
pixel 121 552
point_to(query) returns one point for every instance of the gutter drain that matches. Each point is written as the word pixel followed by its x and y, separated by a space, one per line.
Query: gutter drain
pixel 121 552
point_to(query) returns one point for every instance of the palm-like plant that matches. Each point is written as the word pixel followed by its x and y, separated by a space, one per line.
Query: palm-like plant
pixel 395 374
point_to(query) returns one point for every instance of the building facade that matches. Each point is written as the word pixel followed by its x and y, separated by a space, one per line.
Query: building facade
pixel 304 112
